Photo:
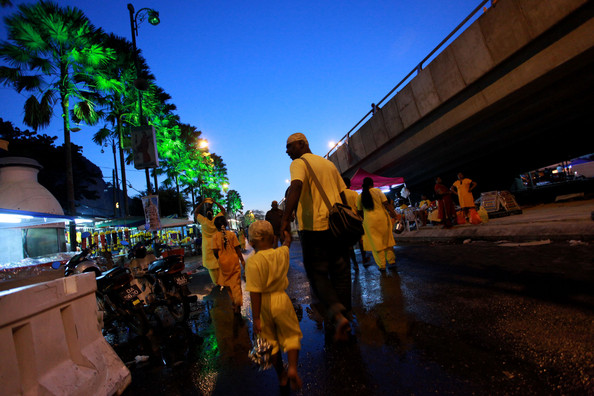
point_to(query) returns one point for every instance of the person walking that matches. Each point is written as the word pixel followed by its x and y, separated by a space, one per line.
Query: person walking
pixel 242 239
pixel 351 197
pixel 373 206
pixel 326 259
pixel 445 204
pixel 273 313
pixel 463 187
pixel 226 249
pixel 275 216
pixel 209 261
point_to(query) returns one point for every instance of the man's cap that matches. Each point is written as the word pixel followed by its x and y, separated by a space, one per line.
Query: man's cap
pixel 297 137
pixel 259 229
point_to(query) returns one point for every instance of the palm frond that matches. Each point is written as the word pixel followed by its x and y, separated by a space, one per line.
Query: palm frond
pixel 101 136
pixel 37 115
pixel 15 55
pixel 85 111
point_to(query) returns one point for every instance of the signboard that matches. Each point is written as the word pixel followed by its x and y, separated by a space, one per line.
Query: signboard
pixel 151 212
pixel 144 147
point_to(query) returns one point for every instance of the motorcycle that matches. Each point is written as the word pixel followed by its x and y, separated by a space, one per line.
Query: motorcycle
pixel 167 297
pixel 117 298
pixel 161 280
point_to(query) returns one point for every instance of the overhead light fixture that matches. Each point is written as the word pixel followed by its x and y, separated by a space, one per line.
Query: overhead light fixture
pixel 13 218
pixel 153 17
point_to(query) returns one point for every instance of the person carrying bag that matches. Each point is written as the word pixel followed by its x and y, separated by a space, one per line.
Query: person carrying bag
pixel 324 228
pixel 346 225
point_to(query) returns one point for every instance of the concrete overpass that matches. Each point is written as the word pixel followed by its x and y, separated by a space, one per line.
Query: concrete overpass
pixel 513 92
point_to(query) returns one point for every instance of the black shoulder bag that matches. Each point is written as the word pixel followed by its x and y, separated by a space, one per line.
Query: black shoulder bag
pixel 345 225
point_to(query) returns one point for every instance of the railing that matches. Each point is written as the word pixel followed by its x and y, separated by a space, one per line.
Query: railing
pixel 418 68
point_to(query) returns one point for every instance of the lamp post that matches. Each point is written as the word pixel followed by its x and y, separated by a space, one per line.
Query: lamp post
pixel 140 84
pixel 116 180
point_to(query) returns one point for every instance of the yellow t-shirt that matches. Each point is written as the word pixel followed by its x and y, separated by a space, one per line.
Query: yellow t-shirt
pixel 266 271
pixel 312 212
pixel 351 197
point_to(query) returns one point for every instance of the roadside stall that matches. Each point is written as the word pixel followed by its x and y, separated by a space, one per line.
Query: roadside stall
pixel 32 222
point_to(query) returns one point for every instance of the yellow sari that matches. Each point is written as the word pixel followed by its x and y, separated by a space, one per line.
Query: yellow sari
pixel 377 224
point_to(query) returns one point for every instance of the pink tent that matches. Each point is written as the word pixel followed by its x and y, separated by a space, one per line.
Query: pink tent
pixel 378 181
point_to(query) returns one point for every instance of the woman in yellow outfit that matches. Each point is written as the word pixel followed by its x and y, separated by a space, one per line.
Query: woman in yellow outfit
pixel 463 187
pixel 209 261
pixel 376 212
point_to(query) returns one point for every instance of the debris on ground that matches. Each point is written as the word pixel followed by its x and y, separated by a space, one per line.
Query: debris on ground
pixel 577 243
pixel 531 243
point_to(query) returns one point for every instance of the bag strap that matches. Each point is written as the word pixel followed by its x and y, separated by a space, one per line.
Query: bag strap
pixel 317 183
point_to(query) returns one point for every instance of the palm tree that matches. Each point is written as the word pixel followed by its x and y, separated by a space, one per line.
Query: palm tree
pixel 120 106
pixel 56 53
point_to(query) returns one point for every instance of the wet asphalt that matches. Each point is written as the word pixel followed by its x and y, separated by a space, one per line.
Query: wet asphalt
pixel 465 319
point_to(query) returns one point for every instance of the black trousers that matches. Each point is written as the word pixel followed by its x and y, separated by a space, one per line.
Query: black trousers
pixel 326 263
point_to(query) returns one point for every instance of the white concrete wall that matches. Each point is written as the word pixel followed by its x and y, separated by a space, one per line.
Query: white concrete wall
pixel 51 343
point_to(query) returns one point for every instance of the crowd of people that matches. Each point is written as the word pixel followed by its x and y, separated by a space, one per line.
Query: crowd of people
pixel 315 183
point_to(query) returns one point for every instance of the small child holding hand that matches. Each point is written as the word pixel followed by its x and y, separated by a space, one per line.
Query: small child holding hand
pixel 272 310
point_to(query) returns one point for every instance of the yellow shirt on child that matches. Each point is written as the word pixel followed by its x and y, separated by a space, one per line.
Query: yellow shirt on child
pixel 266 273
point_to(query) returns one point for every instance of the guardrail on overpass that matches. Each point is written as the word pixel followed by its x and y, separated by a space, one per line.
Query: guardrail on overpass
pixel 509 60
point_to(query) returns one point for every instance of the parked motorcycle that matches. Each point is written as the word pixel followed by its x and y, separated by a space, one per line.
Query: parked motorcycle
pixel 117 298
pixel 161 280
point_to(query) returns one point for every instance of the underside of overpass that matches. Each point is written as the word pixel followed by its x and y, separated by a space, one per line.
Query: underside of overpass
pixel 547 120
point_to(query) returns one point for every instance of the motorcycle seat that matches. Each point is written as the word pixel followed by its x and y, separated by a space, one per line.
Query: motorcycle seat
pixel 112 277
pixel 167 264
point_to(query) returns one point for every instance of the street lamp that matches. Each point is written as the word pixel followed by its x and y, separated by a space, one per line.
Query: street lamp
pixel 116 180
pixel 141 85
pixel 203 143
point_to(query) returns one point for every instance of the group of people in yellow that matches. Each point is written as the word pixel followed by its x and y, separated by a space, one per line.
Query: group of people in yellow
pixel 266 271
pixel 326 259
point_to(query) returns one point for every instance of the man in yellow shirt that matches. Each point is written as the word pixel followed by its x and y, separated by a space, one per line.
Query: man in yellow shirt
pixel 326 260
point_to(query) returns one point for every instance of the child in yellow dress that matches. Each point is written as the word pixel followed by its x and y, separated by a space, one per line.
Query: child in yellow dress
pixel 225 247
pixel 272 310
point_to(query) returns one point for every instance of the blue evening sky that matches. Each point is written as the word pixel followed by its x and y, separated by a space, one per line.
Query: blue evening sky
pixel 250 73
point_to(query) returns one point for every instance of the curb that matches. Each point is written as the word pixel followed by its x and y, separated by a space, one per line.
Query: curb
pixel 555 231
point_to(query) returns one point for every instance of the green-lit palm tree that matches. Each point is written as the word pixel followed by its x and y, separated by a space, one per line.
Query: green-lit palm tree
pixel 234 204
pixel 120 105
pixel 56 53
pixel 159 111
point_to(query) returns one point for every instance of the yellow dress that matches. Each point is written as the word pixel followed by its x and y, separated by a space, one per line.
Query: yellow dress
pixel 266 273
pixel 378 230
pixel 464 196
pixel 209 261
pixel 229 266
